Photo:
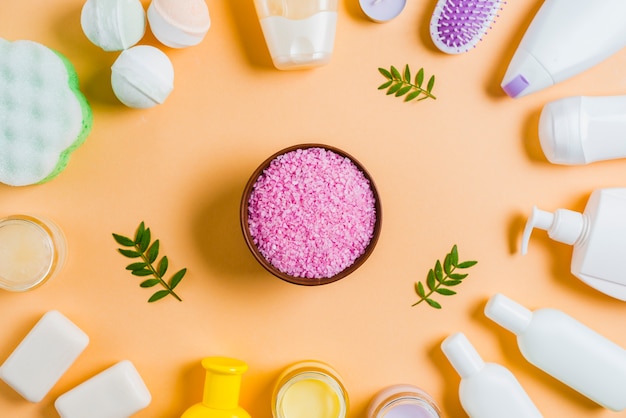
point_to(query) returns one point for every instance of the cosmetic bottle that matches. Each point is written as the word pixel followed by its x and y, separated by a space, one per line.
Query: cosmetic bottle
pixel 309 389
pixel 221 390
pixel 487 390
pixel 598 236
pixel 298 33
pixel 565 38
pixel 566 349
pixel 402 401
pixel 32 251
pixel 580 130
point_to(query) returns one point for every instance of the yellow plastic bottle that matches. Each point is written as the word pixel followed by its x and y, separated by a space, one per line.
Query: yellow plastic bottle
pixel 221 390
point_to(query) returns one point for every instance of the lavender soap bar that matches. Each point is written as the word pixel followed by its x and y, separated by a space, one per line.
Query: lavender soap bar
pixel 43 356
pixel 117 392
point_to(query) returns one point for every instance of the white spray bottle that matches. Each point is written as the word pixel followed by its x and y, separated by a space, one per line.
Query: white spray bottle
pixel 565 38
pixel 487 390
pixel 598 236
pixel 566 349
pixel 581 130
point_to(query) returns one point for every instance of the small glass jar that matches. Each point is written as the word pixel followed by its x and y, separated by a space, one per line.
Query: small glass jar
pixel 312 388
pixel 403 401
pixel 32 251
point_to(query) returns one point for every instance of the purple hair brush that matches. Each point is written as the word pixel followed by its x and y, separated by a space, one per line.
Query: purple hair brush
pixel 458 25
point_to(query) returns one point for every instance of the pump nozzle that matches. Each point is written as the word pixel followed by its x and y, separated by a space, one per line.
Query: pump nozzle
pixel 563 225
pixel 538 219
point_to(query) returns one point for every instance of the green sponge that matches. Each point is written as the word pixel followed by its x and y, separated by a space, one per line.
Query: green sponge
pixel 43 115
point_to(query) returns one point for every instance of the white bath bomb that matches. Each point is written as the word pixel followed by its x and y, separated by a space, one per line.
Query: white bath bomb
pixel 113 25
pixel 179 23
pixel 142 77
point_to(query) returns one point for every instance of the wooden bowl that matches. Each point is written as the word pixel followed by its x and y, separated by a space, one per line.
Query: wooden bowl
pixel 271 268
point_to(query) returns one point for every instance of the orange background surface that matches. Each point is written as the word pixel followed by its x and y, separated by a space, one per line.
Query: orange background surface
pixel 464 169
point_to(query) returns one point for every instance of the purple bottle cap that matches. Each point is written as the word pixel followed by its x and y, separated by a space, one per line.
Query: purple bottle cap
pixel 514 87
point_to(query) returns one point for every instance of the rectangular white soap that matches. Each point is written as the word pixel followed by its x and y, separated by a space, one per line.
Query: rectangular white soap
pixel 43 356
pixel 117 392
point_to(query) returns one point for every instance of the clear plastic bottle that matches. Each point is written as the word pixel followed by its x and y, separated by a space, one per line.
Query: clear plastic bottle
pixel 298 33
pixel 566 349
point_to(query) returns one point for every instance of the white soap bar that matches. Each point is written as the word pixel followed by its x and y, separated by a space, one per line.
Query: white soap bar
pixel 43 356
pixel 117 392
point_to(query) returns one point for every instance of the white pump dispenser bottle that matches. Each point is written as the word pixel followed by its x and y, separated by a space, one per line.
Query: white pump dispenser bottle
pixel 566 349
pixel 487 390
pixel 581 130
pixel 598 236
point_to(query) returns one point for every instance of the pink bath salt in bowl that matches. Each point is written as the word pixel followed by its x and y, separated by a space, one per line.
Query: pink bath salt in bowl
pixel 311 214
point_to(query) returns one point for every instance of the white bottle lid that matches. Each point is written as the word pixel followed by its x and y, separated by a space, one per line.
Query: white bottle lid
pixel 462 355
pixel 563 225
pixel 508 313
pixel 559 131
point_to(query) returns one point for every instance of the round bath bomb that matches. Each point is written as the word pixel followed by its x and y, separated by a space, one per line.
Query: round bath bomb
pixel 142 77
pixel 43 115
pixel 179 23
pixel 113 25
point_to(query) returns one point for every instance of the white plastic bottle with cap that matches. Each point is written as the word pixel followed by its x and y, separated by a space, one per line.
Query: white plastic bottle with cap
pixel 566 349
pixel 598 236
pixel 580 130
pixel 565 38
pixel 487 390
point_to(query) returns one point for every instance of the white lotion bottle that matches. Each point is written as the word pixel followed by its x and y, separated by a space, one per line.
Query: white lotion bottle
pixel 566 349
pixel 487 390
pixel 565 38
pixel 598 236
pixel 580 130
pixel 298 33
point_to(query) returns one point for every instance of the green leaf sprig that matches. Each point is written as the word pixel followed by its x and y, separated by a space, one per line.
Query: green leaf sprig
pixel 441 277
pixel 143 248
pixel 402 85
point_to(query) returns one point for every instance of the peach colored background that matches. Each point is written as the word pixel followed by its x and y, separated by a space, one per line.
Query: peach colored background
pixel 463 169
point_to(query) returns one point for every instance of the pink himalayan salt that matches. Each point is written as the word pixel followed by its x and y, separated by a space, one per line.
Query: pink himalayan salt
pixel 311 213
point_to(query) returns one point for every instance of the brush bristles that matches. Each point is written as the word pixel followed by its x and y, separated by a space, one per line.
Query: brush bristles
pixel 458 25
